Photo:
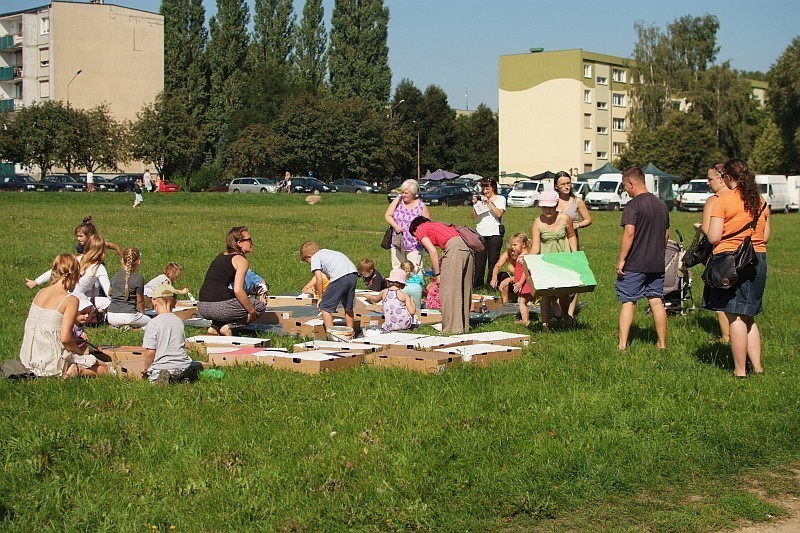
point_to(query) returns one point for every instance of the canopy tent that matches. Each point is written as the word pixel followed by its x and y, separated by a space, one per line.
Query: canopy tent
pixel 439 175
pixel 546 175
pixel 470 177
pixel 608 168
pixel 514 176
pixel 663 183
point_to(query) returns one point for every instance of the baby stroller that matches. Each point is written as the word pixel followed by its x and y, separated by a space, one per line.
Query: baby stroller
pixel 678 298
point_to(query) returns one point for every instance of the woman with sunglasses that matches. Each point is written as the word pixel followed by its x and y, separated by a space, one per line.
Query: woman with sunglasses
pixel 488 208
pixel 218 302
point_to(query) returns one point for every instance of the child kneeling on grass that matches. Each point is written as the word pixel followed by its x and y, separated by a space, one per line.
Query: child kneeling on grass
pixel 164 339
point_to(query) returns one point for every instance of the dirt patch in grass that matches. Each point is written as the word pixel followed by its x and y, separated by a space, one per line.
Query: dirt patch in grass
pixel 781 489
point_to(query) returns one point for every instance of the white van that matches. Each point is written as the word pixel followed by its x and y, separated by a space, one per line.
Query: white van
pixel 609 193
pixel 694 196
pixel 775 190
pixel 526 193
pixel 794 192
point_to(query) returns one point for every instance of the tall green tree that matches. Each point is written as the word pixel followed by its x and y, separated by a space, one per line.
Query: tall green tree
pixel 476 146
pixel 652 82
pixel 694 45
pixel 409 115
pixel 227 54
pixel 359 54
pixel 273 32
pixel 252 153
pixel 102 140
pixel 783 95
pixel 437 131
pixel 34 134
pixel 769 153
pixel 311 57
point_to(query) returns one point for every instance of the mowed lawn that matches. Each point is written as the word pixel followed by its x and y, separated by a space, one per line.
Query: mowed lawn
pixel 572 436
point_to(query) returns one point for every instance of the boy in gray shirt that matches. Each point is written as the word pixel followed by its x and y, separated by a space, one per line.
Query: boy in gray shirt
pixel 342 287
pixel 164 339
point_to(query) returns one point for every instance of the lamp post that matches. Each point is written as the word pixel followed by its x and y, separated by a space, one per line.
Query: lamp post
pixel 391 108
pixel 77 72
pixel 419 173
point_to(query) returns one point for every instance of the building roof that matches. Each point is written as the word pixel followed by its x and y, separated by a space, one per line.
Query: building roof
pixel 45 6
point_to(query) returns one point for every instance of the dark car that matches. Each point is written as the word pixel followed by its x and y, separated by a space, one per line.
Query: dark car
pixel 101 183
pixel 356 186
pixel 504 190
pixel 310 185
pixel 17 182
pixel 219 187
pixel 125 182
pixel 448 195
pixel 424 185
pixel 61 183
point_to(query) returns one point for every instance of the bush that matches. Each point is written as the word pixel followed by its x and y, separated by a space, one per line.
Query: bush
pixel 207 175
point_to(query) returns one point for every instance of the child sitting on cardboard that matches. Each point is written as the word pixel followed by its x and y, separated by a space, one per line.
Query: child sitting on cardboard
pixel 342 288
pixel 164 339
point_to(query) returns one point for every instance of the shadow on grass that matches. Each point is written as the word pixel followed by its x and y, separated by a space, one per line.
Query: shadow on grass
pixel 708 323
pixel 717 354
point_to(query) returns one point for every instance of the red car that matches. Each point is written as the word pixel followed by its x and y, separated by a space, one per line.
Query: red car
pixel 167 186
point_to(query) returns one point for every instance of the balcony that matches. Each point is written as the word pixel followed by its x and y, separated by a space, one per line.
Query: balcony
pixel 10 73
pixel 10 42
pixel 6 106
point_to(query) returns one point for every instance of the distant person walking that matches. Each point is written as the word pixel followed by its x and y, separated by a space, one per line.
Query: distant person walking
pixel 640 269
pixel 90 181
pixel 147 179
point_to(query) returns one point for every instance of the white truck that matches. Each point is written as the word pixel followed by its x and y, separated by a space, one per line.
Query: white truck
pixel 775 190
pixel 609 193
pixel 526 193
pixel 694 196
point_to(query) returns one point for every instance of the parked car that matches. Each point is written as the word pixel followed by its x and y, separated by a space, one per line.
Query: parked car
pixel 581 189
pixel 310 185
pixel 694 196
pixel 219 187
pixel 101 183
pixel 424 185
pixel 252 184
pixel 61 183
pixel 125 182
pixel 356 186
pixel 504 190
pixel 446 195
pixel 17 182
pixel 167 186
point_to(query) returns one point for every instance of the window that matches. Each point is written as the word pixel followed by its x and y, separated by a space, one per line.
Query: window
pixel 618 75
pixel 618 124
pixel 602 130
pixel 44 89
pixel 616 148
pixel 44 57
pixel 587 71
pixel 587 147
pixel 587 167
pixel 587 96
pixel 602 155
pixel 587 121
pixel 602 105
pixel 602 80
pixel 618 99
pixel 44 25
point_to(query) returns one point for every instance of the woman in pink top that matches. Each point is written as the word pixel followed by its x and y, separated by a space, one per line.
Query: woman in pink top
pixel 403 209
pixel 454 273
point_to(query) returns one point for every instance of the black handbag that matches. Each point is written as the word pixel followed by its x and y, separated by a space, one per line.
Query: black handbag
pixel 698 252
pixel 726 269
pixel 386 243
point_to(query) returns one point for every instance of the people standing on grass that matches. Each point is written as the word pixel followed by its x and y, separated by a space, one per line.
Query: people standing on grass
pixel 147 180
pixel 488 208
pixel 553 232
pixel 575 208
pixel 48 346
pixel 640 268
pixel 520 246
pixel 741 303
pixel 454 272
pixel 399 215
pixel 137 194
pixel 218 302
pixel 719 188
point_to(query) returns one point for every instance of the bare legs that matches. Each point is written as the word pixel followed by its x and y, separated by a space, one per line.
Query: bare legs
pixel 659 317
pixel 524 312
pixel 724 327
pixel 745 342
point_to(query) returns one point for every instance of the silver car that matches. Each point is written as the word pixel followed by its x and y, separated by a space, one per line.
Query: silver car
pixel 253 185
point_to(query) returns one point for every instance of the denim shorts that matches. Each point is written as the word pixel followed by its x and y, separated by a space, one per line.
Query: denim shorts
pixel 634 286
pixel 342 290
pixel 746 298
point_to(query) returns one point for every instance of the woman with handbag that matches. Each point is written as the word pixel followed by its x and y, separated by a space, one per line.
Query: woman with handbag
pixel 401 211
pixel 488 208
pixel 735 216
pixel 719 188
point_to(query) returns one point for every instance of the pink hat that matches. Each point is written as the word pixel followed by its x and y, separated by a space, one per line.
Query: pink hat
pixel 398 275
pixel 548 198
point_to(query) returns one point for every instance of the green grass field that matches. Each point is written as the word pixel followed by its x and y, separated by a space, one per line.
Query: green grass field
pixel 572 436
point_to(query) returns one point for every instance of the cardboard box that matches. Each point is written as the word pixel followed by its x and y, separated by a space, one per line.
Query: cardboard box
pixel 425 362
pixel 483 354
pixel 185 313
pixel 260 357
pixel 370 319
pixel 496 337
pixel 387 339
pixel 199 343
pixel 273 317
pixel 491 303
pixel 429 343
pixel 291 300
pixel 561 273
pixel 347 347
pixel 364 306
pixel 429 316
pixel 306 327
pixel 123 353
pixel 315 362
pixel 130 369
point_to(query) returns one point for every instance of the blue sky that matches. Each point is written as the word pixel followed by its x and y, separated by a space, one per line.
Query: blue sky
pixel 456 44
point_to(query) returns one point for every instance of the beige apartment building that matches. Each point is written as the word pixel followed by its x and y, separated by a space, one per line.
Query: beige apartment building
pixel 82 54
pixel 562 110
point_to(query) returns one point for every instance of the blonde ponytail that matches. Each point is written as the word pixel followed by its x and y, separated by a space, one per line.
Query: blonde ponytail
pixel 129 258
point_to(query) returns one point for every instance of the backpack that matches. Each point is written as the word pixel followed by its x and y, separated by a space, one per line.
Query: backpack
pixel 472 239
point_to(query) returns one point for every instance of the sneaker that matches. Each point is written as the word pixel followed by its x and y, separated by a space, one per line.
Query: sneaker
pixel 163 378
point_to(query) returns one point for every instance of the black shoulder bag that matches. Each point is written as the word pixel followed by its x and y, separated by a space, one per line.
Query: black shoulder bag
pixel 725 269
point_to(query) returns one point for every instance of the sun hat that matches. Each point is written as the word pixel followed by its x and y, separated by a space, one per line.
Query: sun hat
pixel 83 302
pixel 548 198
pixel 398 275
pixel 165 290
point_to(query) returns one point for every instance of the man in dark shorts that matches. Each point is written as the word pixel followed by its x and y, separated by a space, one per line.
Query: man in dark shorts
pixel 640 269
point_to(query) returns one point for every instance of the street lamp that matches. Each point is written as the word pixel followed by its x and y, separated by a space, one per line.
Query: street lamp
pixel 391 108
pixel 70 83
pixel 419 172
